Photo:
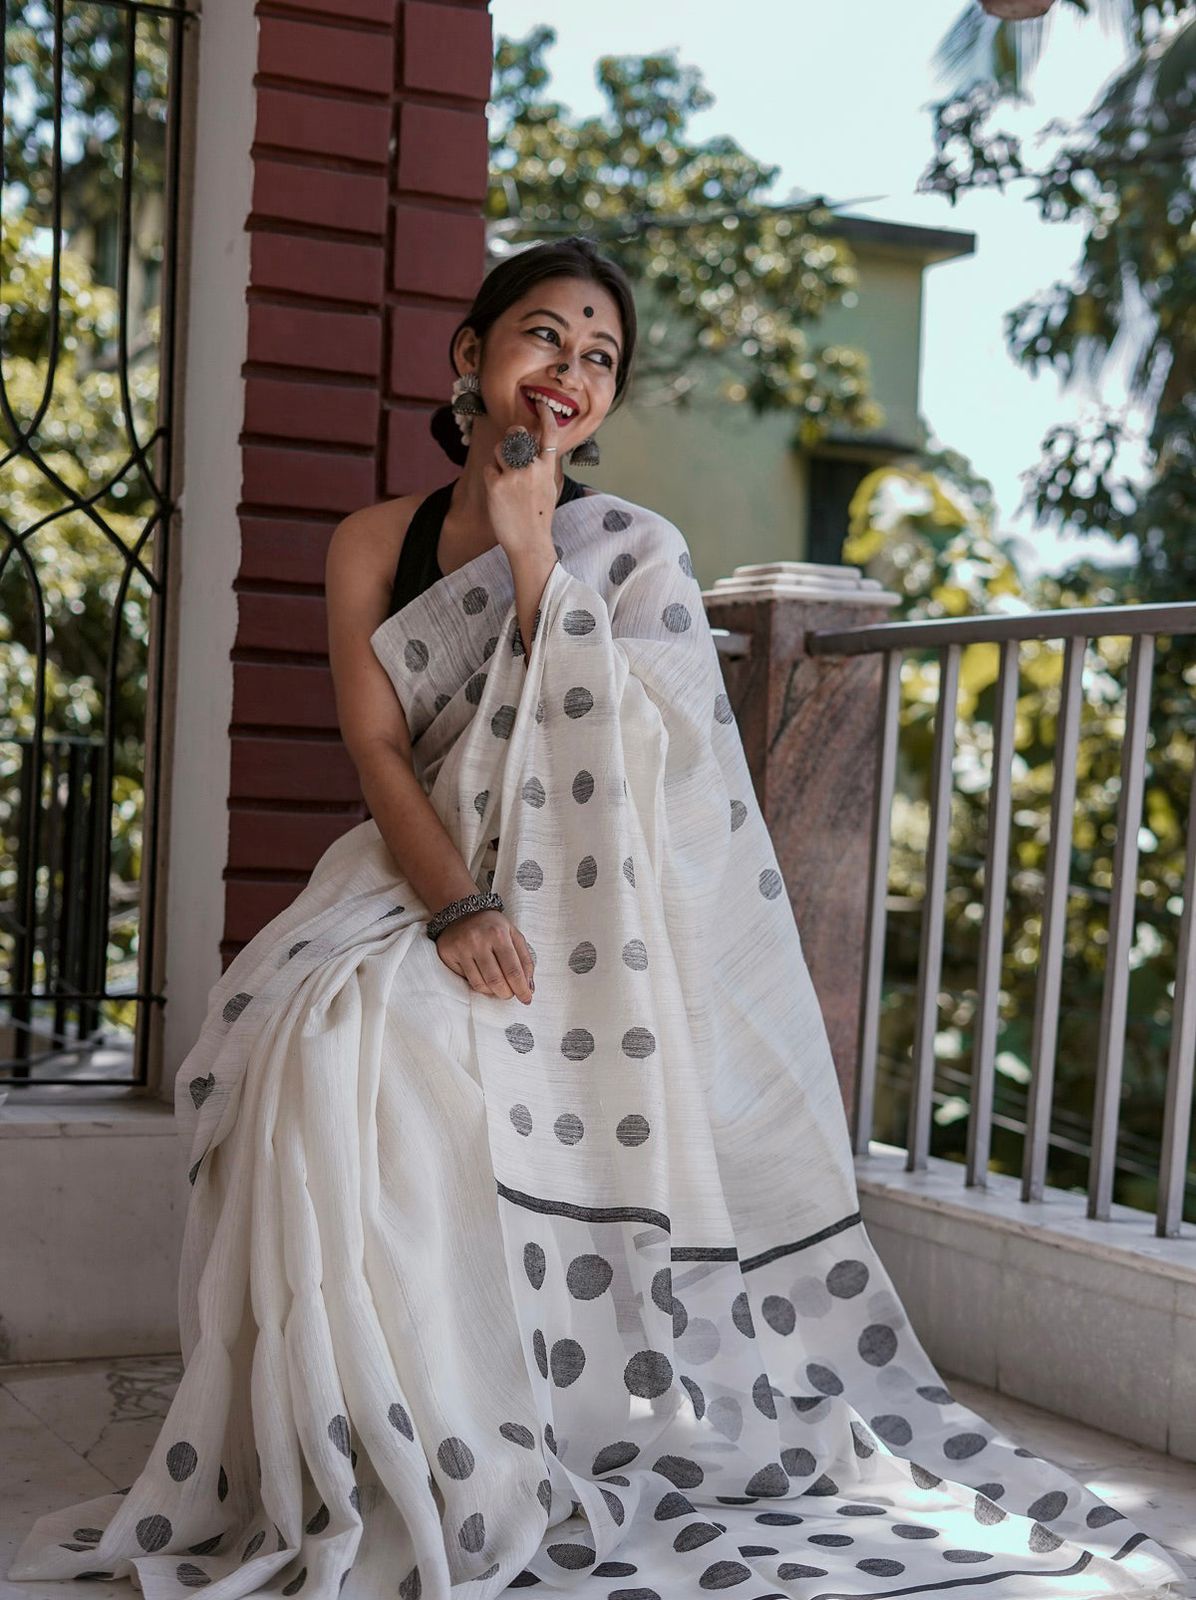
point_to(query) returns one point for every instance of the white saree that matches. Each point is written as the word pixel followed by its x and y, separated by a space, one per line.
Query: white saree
pixel 479 1296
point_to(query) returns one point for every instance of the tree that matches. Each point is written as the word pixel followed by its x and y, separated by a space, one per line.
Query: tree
pixel 1125 171
pixel 718 272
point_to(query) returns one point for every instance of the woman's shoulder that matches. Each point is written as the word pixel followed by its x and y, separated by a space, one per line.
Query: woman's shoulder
pixel 373 535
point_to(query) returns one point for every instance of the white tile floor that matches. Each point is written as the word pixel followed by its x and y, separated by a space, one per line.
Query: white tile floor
pixel 70 1430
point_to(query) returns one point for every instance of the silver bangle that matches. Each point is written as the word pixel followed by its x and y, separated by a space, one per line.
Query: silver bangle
pixel 461 908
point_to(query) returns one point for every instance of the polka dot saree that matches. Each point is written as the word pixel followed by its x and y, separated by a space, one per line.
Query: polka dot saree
pixel 478 1296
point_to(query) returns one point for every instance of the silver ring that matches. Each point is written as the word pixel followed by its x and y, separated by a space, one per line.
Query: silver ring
pixel 550 449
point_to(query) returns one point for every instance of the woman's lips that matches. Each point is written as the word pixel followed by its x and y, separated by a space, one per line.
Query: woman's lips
pixel 560 420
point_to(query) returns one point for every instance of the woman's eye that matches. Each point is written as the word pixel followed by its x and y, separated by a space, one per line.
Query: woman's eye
pixel 606 359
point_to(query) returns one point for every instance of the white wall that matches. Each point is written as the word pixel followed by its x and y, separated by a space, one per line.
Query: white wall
pixel 207 551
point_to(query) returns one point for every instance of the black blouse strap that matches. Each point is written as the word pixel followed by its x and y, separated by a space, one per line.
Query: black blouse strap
pixel 417 568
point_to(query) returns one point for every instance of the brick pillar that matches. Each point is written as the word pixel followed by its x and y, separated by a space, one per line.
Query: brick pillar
pixel 370 172
pixel 811 731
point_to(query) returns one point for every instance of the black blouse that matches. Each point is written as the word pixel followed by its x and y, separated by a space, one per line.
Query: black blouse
pixel 418 568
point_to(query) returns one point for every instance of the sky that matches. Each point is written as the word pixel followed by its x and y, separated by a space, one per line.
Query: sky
pixel 834 95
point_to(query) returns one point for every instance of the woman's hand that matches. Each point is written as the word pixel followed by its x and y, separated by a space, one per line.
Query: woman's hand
pixel 522 499
pixel 488 950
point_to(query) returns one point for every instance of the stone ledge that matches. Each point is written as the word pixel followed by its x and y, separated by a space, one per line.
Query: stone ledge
pixel 27 1118
pixel 1092 1321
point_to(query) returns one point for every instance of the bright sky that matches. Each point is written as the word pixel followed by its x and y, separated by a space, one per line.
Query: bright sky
pixel 833 94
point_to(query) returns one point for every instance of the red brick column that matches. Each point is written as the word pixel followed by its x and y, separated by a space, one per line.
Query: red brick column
pixel 370 170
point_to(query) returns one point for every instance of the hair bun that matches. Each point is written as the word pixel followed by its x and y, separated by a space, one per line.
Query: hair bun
pixel 442 425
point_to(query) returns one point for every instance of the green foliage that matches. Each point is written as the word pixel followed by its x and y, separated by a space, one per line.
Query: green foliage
pixel 721 274
pixel 1124 172
pixel 925 528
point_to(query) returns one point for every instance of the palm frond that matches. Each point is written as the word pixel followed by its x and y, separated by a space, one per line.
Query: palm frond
pixel 977 48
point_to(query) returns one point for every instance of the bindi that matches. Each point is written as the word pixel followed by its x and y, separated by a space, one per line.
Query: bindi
pixel 589 310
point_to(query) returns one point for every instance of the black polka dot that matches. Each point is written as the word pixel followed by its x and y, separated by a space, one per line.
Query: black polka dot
pixel 338 1432
pixel 724 1574
pixel 770 883
pixel 409 1587
pixel 722 709
pixel 577 1044
pixel 741 1315
pixel 632 1130
pixel 191 1576
pixel 648 1373
pixel 880 1566
pixel 475 600
pixel 986 1513
pixel 415 655
pixel 638 1043
pixel 577 701
pixel 798 1569
pixel 847 1278
pixel 520 1037
pixel 521 1119
pixel 154 1532
pixel 254 1545
pixel 694 1535
pixel 738 815
pixel 962 1445
pixel 914 1530
pixel 635 955
pixel 540 1350
pixel 613 1456
pixel 936 1394
pixel 1100 1516
pixel 877 1344
pixel 568 1127
pixel 923 1479
pixel 503 719
pixel 852 1510
pixel 833 1541
pixel 567 1362
pixel 779 1313
pixel 1047 1506
pixel 472 1533
pixel 533 792
pixel 296 1583
pixel 578 623
pixel 583 787
pixel 455 1457
pixel 770 1480
pixel 891 1428
pixel 529 875
pixel 181 1460
pixel 821 1377
pixel 681 1472
pixel 573 1557
pixel 798 1462
pixel 587 872
pixel 534 1261
pixel 676 617
pixel 582 957
pixel 234 1007
pixel 518 1434
pixel 588 1276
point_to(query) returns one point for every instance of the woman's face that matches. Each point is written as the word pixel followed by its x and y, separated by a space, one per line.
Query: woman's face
pixel 560 319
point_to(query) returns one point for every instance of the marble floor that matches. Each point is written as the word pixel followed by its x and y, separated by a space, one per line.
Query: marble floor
pixel 70 1430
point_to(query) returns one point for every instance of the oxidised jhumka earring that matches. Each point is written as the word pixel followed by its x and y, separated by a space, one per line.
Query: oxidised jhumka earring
pixel 467 402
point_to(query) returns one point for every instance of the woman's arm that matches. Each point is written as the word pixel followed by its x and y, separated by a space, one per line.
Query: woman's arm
pixel 372 724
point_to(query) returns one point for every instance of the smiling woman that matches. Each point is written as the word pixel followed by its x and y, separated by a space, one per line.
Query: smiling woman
pixel 478 1297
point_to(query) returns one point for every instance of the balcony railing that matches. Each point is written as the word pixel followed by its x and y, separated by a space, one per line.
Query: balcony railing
pixel 1143 624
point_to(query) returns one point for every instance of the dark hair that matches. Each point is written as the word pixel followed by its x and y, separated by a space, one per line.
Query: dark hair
pixel 506 283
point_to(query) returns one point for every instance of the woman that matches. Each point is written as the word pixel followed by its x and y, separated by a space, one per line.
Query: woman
pixel 486 1283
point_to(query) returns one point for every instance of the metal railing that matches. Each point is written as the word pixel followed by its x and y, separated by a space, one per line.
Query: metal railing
pixel 1143 624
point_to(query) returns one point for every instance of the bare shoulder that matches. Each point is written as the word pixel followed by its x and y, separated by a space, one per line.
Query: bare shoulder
pixel 367 542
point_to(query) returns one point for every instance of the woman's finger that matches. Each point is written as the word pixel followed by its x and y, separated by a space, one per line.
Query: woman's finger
pixel 492 973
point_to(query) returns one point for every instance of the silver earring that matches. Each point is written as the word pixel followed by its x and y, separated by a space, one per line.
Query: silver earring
pixel 585 454
pixel 467 402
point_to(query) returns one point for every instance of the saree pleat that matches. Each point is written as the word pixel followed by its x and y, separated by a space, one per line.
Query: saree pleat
pixel 478 1296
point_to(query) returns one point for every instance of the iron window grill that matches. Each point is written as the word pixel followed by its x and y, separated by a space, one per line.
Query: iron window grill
pixel 89 246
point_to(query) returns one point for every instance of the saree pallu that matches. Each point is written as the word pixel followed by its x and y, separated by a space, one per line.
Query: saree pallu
pixel 479 1296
